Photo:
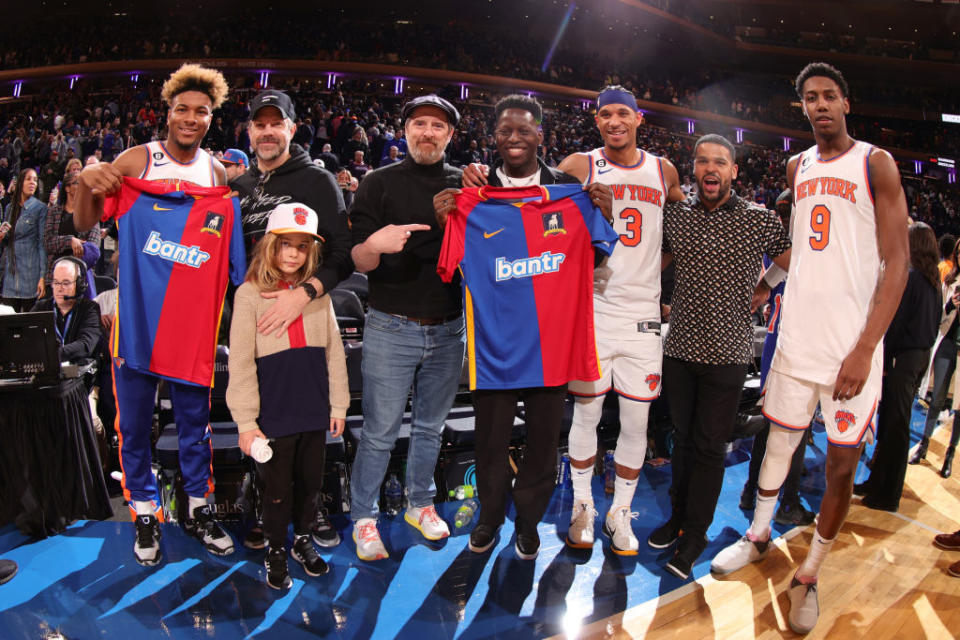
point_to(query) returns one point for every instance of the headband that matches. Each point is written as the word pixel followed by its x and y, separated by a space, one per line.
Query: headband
pixel 617 96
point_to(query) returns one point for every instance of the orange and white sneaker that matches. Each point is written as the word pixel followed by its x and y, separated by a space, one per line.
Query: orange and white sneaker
pixel 367 538
pixel 426 520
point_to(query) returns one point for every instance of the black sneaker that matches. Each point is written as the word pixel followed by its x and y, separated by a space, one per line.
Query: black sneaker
pixel 208 531
pixel 528 545
pixel 278 576
pixel 861 489
pixel 687 552
pixel 793 514
pixel 304 553
pixel 664 535
pixel 482 537
pixel 8 569
pixel 324 533
pixel 255 538
pixel 147 547
pixel 748 499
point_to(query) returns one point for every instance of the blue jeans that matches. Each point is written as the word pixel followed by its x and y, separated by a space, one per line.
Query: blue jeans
pixel 399 354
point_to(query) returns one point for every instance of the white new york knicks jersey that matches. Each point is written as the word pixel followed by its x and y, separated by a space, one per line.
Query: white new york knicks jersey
pixel 834 267
pixel 627 284
pixel 162 166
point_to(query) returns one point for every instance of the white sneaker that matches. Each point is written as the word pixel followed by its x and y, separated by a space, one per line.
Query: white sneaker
pixel 738 555
pixel 426 520
pixel 618 528
pixel 147 547
pixel 369 545
pixel 580 533
pixel 804 606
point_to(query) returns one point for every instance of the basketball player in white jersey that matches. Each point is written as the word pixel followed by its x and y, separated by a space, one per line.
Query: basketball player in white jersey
pixel 192 93
pixel 626 315
pixel 850 216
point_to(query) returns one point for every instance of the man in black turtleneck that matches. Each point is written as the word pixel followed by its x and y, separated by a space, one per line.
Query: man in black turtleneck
pixel 414 333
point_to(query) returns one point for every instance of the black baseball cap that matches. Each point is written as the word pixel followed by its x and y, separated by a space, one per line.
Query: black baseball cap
pixel 432 100
pixel 273 98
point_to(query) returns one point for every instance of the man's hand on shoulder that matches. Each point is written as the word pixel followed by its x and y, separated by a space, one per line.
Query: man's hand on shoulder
pixel 475 175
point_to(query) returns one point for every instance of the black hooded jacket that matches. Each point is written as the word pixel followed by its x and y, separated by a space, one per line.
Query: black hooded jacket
pixel 298 180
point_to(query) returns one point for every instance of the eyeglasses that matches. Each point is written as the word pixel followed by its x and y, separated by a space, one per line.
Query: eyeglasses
pixel 63 284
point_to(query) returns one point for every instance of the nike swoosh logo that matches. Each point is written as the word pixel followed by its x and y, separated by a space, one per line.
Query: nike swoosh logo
pixel 157 207
pixel 601 171
pixel 160 164
pixel 490 235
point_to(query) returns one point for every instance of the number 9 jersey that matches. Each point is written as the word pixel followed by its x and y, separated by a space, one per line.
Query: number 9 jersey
pixel 834 267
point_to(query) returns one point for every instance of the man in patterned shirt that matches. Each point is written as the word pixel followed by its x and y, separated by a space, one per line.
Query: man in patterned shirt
pixel 717 240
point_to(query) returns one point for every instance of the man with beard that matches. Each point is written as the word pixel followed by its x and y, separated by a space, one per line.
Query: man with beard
pixel 518 136
pixel 717 240
pixel 283 173
pixel 848 201
pixel 414 332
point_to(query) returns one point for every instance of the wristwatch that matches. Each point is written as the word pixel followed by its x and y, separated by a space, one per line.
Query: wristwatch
pixel 310 289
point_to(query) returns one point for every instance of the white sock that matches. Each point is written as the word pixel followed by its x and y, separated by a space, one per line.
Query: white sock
pixel 194 502
pixel 819 547
pixel 623 491
pixel 762 515
pixel 581 479
pixel 143 507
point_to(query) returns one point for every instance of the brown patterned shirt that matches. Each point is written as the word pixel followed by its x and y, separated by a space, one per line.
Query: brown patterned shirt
pixel 718 259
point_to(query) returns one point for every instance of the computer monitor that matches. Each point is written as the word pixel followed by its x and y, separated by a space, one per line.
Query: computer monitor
pixel 29 348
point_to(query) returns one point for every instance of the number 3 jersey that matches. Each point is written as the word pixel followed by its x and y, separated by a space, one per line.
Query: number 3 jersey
pixel 834 267
pixel 526 256
pixel 627 284
pixel 178 244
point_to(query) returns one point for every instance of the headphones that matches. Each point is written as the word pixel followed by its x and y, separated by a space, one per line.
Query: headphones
pixel 81 275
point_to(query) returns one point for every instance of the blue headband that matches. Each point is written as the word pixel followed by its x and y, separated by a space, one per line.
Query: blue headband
pixel 617 96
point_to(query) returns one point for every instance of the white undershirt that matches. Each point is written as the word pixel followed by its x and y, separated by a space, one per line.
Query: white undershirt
pixel 507 181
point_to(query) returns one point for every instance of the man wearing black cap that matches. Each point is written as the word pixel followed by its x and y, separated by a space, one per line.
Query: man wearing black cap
pixel 790 511
pixel 414 333
pixel 284 172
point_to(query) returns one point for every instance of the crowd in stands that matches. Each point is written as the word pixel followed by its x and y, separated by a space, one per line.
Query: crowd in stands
pixel 456 45
pixel 360 122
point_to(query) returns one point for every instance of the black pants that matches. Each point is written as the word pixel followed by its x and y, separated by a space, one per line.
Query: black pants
pixel 703 405
pixel 900 383
pixel 536 478
pixel 791 486
pixel 292 481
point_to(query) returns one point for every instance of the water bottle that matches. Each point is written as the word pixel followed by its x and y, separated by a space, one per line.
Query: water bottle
pixel 465 513
pixel 393 495
pixel 609 473
pixel 463 491
pixel 563 477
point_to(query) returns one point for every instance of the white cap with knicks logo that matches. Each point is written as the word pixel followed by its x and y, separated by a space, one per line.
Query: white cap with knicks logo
pixel 293 217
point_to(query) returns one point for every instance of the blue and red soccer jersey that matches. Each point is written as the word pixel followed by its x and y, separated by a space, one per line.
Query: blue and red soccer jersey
pixel 527 256
pixel 179 243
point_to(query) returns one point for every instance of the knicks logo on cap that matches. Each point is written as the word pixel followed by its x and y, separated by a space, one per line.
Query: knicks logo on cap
pixel 653 380
pixel 300 216
pixel 844 420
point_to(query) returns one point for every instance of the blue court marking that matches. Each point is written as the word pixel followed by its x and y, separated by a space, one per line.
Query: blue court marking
pixel 86 583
